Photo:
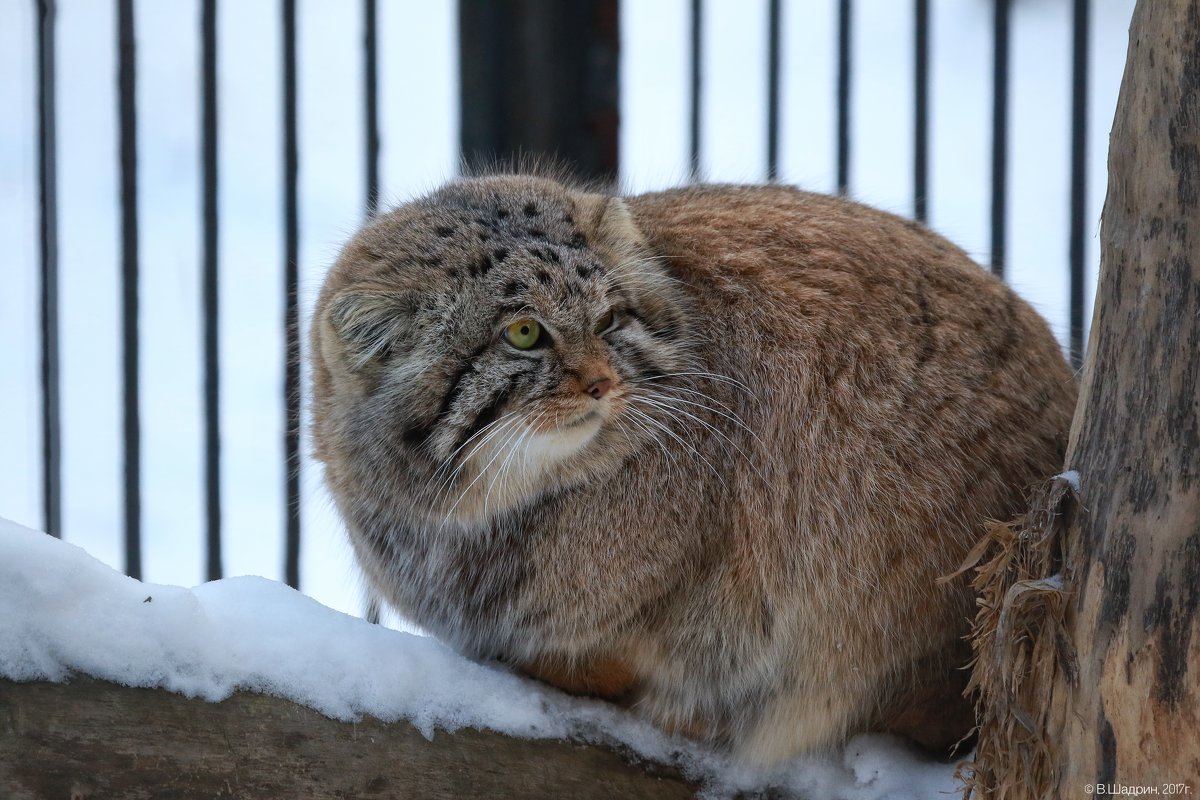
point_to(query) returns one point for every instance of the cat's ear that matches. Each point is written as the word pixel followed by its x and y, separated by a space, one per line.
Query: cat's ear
pixel 368 323
pixel 618 230
pixel 608 226
pixel 614 233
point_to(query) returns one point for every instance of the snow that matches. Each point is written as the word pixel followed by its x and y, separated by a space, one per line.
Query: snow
pixel 63 612
pixel 1071 477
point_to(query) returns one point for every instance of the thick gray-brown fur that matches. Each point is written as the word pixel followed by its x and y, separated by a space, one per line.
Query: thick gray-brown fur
pixel 813 410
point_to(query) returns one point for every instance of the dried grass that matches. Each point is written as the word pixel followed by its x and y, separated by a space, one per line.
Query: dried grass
pixel 1020 646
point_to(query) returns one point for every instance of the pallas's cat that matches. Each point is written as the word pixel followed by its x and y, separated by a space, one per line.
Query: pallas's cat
pixel 704 452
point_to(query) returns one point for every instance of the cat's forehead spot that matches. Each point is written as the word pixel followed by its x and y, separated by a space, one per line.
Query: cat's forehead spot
pixel 565 273
pixel 554 288
pixel 504 206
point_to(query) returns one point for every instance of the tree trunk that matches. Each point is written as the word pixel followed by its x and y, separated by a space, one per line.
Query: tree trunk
pixel 1088 638
pixel 88 740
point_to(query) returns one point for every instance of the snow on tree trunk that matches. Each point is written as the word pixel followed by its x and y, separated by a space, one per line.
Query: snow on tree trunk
pixel 1087 641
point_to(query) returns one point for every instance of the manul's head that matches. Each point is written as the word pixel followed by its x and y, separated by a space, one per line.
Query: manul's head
pixel 487 343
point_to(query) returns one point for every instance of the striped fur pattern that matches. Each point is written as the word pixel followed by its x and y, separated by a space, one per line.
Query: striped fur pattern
pixel 812 408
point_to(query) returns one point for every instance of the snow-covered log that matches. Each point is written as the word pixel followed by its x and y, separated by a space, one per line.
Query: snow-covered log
pixel 91 739
pixel 1088 638
pixel 243 687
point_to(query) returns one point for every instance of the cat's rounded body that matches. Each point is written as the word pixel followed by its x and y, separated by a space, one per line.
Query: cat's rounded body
pixel 728 503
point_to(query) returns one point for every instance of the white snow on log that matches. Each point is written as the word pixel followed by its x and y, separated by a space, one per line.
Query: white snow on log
pixel 62 612
pixel 1070 476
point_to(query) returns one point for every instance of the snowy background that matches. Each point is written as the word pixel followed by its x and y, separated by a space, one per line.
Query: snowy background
pixel 419 95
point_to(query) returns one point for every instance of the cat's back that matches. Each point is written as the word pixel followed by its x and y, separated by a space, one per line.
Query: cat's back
pixel 882 362
pixel 853 296
pixel 749 245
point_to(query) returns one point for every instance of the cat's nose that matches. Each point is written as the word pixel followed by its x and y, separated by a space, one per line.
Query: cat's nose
pixel 599 388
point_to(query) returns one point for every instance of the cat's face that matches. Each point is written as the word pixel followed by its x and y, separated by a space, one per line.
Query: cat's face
pixel 494 341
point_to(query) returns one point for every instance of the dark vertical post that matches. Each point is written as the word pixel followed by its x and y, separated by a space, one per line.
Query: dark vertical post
pixel 697 55
pixel 127 114
pixel 539 79
pixel 921 110
pixel 291 318
pixel 773 90
pixel 843 97
pixel 371 106
pixel 999 133
pixel 212 394
pixel 1079 84
pixel 48 246
pixel 371 156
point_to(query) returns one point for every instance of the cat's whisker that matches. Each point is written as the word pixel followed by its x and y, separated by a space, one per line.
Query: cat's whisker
pixel 525 452
pixel 649 418
pixel 632 408
pixel 721 438
pixel 474 438
pixel 664 404
pixel 482 472
pixel 528 432
pixel 450 458
pixel 716 376
pixel 730 416
pixel 495 429
pixel 513 433
pixel 658 382
pixel 658 386
pixel 668 459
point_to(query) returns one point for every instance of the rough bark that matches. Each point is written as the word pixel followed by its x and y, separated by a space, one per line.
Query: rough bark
pixel 1096 680
pixel 87 740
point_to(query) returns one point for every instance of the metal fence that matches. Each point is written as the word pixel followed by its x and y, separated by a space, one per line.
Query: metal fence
pixel 480 120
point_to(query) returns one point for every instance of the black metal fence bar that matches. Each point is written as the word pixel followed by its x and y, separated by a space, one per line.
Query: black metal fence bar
pixel 999 133
pixel 1079 83
pixel 210 221
pixel 695 88
pixel 843 97
pixel 48 256
pixel 291 314
pixel 371 106
pixel 773 90
pixel 127 113
pixel 371 157
pixel 921 109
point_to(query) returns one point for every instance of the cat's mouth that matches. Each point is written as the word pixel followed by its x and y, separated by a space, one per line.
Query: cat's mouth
pixel 583 419
pixel 574 419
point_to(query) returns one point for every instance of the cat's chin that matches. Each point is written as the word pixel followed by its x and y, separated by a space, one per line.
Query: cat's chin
pixel 564 441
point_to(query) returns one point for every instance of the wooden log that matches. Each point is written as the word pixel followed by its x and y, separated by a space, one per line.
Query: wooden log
pixel 88 739
pixel 1088 639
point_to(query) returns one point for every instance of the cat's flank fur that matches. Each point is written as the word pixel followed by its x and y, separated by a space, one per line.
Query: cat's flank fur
pixel 728 504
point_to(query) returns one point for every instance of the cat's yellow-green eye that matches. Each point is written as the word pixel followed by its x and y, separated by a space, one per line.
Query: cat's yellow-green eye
pixel 523 334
